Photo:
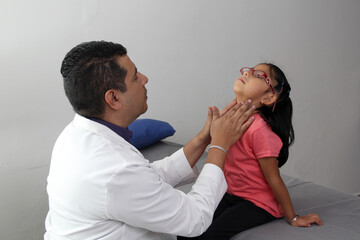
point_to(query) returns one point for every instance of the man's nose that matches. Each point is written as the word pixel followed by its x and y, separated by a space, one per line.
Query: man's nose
pixel 144 79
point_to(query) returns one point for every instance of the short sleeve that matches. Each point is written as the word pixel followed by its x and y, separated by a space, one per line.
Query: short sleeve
pixel 266 143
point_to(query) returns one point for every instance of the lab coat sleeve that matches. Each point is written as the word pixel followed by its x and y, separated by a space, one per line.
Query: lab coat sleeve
pixel 138 196
pixel 175 170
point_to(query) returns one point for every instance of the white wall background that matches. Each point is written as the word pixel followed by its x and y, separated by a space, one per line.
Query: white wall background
pixel 191 50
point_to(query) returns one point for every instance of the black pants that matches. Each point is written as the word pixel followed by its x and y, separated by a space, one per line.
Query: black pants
pixel 234 215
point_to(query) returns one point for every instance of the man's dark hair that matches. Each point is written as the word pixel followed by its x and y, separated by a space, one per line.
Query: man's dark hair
pixel 89 70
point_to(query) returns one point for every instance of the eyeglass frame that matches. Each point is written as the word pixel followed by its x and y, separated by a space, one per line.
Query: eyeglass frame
pixel 262 76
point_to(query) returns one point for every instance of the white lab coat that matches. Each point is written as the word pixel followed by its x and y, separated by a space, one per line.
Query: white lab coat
pixel 101 187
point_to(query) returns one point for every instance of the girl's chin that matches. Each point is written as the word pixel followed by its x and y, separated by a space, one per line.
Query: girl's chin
pixel 237 93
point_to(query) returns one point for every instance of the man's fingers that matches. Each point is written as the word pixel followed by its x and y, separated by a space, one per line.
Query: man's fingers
pixel 215 113
pixel 244 112
pixel 210 113
pixel 231 112
pixel 229 106
pixel 246 125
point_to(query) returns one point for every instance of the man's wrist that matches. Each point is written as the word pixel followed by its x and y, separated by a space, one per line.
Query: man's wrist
pixel 219 143
pixel 217 147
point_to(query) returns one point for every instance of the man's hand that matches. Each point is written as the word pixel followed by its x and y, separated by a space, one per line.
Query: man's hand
pixel 204 134
pixel 227 128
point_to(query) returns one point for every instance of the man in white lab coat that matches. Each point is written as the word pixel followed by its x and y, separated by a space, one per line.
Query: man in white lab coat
pixel 100 186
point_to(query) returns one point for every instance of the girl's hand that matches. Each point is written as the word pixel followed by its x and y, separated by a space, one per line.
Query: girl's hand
pixel 306 221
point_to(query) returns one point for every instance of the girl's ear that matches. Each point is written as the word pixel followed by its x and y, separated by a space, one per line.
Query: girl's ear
pixel 112 98
pixel 269 100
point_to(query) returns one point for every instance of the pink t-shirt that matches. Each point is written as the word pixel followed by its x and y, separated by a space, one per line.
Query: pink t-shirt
pixel 242 170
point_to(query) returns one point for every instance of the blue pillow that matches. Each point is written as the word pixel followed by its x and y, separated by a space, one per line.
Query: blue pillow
pixel 149 131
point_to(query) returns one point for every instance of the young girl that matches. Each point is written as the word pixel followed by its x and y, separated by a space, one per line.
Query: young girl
pixel 256 192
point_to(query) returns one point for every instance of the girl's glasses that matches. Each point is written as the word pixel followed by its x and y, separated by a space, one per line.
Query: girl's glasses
pixel 258 74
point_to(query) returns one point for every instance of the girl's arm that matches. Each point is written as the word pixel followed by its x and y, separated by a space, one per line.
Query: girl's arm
pixel 269 167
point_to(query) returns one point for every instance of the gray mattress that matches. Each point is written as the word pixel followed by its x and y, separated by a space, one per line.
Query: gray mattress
pixel 340 212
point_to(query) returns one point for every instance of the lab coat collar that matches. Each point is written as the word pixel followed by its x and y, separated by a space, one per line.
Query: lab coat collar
pixel 102 130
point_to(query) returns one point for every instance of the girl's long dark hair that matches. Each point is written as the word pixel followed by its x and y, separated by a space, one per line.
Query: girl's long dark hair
pixel 280 120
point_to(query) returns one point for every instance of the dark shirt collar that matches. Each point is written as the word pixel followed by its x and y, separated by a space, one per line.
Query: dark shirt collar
pixel 122 132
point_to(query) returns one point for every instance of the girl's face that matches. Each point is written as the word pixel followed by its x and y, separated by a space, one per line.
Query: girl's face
pixel 254 87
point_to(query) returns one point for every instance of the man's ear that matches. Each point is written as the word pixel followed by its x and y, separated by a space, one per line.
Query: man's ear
pixel 269 100
pixel 112 98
